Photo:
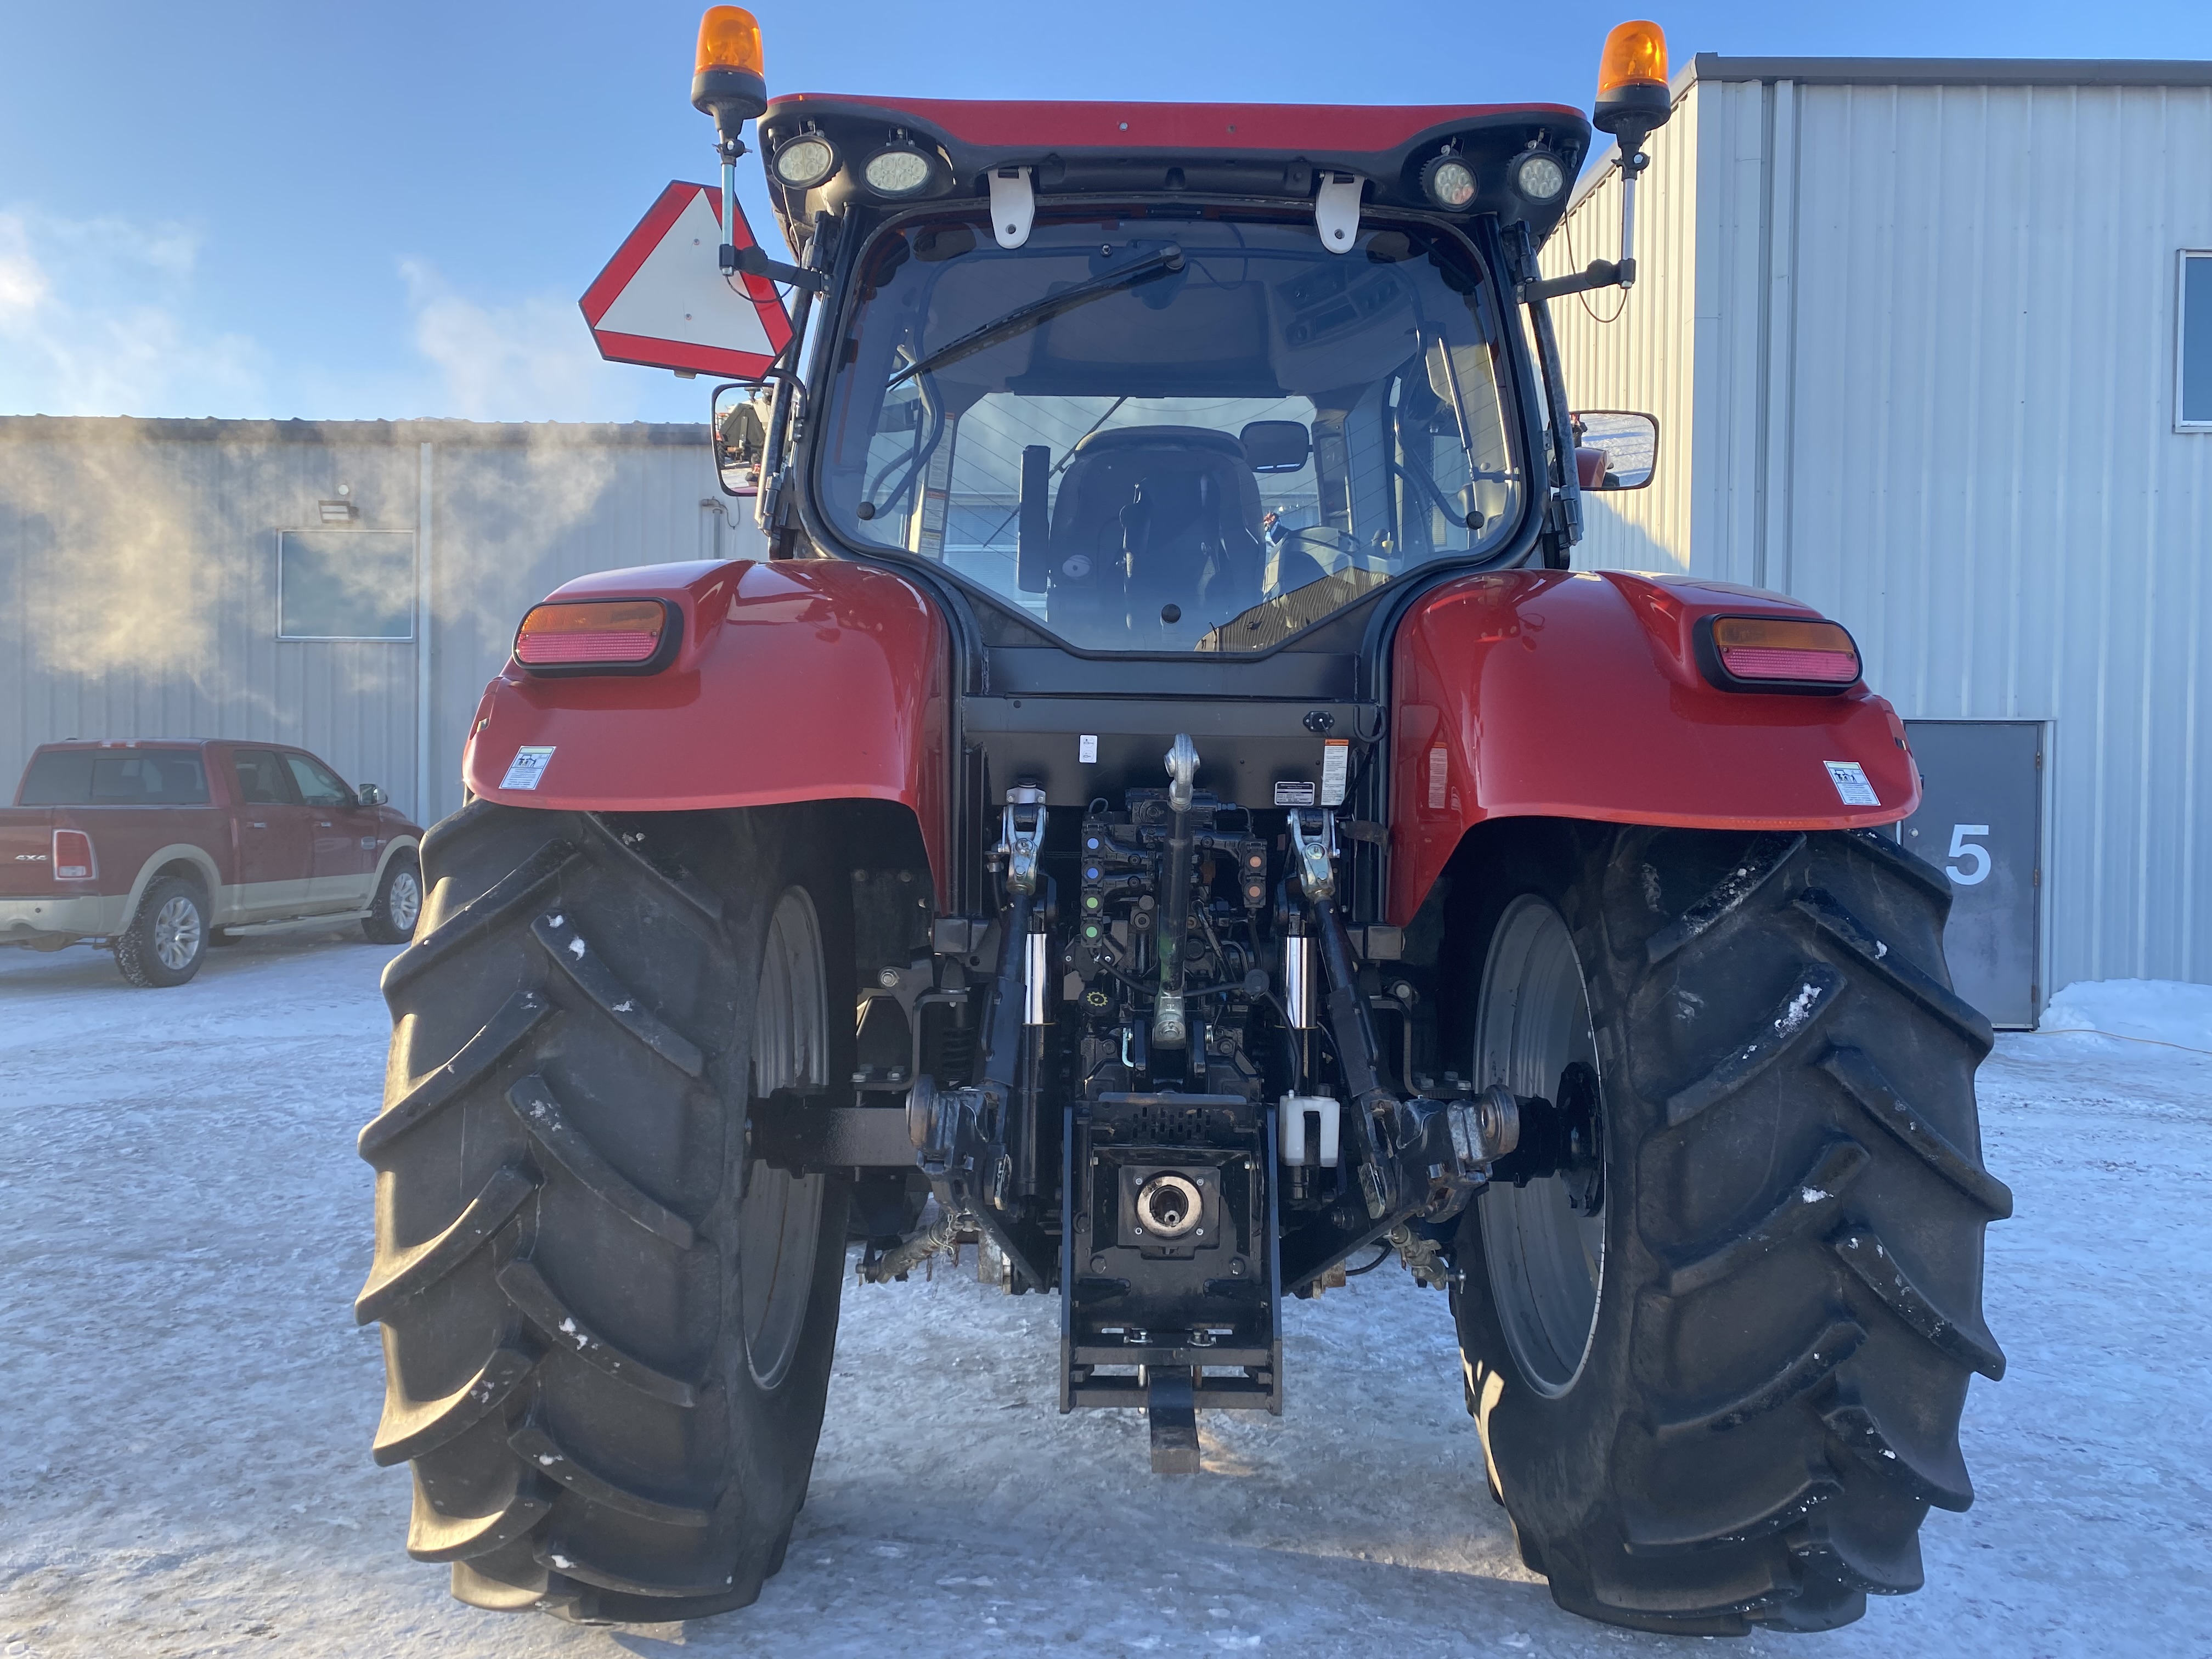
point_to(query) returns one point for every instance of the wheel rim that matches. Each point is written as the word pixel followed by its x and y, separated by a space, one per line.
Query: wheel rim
pixel 780 1217
pixel 406 900
pixel 177 933
pixel 1546 1263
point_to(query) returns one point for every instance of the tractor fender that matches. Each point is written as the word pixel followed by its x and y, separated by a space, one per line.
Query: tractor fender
pixel 794 681
pixel 1578 695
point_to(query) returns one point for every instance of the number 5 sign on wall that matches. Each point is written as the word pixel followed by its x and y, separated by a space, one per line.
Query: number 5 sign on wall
pixel 1979 823
pixel 1977 855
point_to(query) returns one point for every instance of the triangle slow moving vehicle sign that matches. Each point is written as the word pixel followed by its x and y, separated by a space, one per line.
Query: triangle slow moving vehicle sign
pixel 664 301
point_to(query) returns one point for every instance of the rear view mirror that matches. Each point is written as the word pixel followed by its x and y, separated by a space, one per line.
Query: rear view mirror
pixel 369 795
pixel 1276 446
pixel 740 436
pixel 1614 449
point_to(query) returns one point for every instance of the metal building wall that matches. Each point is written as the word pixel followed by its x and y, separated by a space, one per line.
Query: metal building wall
pixel 1931 357
pixel 1633 350
pixel 138 561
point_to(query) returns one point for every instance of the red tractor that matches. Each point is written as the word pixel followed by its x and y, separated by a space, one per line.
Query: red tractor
pixel 1167 813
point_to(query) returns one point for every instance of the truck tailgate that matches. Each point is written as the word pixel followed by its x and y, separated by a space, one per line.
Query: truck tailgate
pixel 25 846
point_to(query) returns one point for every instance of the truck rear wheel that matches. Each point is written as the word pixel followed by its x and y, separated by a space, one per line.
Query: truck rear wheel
pixel 167 939
pixel 607 1329
pixel 397 905
pixel 1718 1362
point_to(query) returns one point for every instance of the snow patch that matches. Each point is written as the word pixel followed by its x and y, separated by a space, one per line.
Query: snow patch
pixel 1811 1194
pixel 97 1078
pixel 1800 1009
pixel 2144 1010
pixel 576 949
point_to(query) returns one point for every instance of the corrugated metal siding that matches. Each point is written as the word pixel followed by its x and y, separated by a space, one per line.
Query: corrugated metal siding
pixel 1931 367
pixel 1632 351
pixel 1985 485
pixel 138 573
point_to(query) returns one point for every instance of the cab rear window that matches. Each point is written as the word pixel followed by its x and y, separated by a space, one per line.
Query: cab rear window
pixel 94 777
pixel 1164 434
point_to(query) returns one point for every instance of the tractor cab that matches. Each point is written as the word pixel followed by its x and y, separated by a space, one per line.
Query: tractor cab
pixel 1171 379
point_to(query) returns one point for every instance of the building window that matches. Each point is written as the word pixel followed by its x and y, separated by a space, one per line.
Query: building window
pixel 345 585
pixel 2192 390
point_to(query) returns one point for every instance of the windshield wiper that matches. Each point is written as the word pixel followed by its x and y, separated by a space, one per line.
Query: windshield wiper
pixel 1167 258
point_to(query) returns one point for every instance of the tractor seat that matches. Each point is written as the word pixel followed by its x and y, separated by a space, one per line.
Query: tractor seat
pixel 1148 516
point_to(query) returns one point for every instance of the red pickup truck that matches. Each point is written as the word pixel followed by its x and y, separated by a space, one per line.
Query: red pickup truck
pixel 160 848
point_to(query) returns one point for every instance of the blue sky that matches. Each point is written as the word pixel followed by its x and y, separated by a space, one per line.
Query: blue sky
pixel 388 209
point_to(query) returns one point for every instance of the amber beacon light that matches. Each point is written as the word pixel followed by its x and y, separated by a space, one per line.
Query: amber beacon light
pixel 1635 56
pixel 1631 84
pixel 727 81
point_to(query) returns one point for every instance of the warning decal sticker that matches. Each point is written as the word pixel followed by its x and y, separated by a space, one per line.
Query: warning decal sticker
pixel 1850 781
pixel 1335 763
pixel 529 767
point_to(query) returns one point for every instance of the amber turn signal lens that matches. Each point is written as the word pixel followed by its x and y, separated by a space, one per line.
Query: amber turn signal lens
pixel 1635 56
pixel 729 38
pixel 1785 648
pixel 606 633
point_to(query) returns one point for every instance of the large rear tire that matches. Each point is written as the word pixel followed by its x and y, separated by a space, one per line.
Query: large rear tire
pixel 607 1329
pixel 1718 1372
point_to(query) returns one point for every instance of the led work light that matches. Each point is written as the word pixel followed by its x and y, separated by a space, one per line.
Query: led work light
pixel 803 160
pixel 899 168
pixel 1448 181
pixel 1538 176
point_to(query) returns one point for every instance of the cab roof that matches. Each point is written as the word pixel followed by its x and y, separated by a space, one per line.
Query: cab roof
pixel 1250 150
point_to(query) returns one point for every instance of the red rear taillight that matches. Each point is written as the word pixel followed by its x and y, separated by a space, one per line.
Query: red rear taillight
pixel 73 856
pixel 1778 654
pixel 630 636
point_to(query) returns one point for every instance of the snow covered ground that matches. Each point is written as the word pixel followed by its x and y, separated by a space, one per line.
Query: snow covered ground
pixel 185 1405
